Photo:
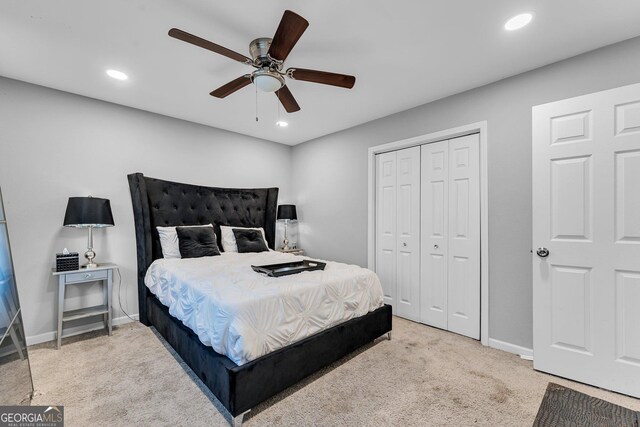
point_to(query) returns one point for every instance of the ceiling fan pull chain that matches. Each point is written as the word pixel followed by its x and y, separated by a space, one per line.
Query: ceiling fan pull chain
pixel 256 88
pixel 278 105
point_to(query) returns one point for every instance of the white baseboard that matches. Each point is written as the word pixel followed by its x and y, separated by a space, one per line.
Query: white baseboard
pixel 124 319
pixel 525 353
pixel 77 330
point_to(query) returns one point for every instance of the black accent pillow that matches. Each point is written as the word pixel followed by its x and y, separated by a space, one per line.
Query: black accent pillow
pixel 196 242
pixel 249 240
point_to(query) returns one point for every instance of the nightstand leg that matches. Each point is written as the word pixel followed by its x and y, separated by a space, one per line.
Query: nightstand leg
pixel 60 307
pixel 105 300
pixel 109 286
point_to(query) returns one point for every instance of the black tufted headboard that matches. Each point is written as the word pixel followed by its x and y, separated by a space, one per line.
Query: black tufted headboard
pixel 164 203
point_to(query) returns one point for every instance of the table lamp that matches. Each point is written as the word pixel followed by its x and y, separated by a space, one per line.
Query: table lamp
pixel 88 212
pixel 286 213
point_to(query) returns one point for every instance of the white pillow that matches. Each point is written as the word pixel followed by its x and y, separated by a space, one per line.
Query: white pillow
pixel 169 240
pixel 229 239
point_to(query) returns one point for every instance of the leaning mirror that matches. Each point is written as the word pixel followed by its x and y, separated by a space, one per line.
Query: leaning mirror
pixel 16 386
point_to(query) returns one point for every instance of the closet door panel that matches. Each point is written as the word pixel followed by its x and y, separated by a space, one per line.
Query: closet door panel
pixel 408 241
pixel 434 242
pixel 464 237
pixel 386 225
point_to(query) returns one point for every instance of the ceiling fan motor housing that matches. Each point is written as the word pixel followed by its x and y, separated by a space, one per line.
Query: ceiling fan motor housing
pixel 266 78
pixel 259 49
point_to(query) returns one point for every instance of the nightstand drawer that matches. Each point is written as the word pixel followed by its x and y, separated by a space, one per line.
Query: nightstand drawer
pixel 86 276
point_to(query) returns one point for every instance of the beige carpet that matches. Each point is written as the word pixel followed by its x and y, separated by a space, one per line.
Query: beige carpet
pixel 423 377
pixel 15 381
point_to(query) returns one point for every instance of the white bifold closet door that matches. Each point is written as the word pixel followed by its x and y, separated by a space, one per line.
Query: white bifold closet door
pixel 398 229
pixel 450 244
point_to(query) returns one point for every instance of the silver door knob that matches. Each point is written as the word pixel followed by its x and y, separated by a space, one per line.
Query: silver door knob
pixel 435 246
pixel 543 252
pixel 404 244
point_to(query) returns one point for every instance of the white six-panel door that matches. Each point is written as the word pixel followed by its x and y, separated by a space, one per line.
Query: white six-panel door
pixel 463 295
pixel 435 233
pixel 586 213
pixel 408 248
pixel 450 253
pixel 398 229
pixel 386 239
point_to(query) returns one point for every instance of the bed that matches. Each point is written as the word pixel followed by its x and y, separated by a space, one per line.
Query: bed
pixel 238 387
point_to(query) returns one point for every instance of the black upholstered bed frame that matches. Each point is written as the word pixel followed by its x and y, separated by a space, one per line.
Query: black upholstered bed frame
pixel 239 388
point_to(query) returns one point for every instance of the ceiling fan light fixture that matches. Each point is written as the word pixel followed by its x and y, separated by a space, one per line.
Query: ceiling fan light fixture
pixel 267 80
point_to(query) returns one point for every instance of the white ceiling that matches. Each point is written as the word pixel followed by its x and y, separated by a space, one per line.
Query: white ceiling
pixel 403 53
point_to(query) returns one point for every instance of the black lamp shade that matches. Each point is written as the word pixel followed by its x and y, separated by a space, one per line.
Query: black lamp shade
pixel 287 212
pixel 88 212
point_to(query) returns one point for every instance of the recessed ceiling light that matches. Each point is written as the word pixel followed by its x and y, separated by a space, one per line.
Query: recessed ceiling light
pixel 282 124
pixel 518 21
pixel 118 75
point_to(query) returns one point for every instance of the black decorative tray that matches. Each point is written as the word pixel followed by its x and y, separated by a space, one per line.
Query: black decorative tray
pixel 287 268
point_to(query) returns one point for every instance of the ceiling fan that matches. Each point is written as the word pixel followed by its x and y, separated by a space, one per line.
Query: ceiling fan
pixel 267 57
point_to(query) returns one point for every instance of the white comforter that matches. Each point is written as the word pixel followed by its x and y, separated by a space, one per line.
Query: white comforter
pixel 244 315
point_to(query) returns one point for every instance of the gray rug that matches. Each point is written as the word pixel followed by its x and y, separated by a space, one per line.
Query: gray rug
pixel 564 407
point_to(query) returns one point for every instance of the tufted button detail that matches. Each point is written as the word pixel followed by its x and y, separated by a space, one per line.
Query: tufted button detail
pixel 173 204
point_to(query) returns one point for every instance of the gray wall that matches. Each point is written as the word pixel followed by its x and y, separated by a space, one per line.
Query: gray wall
pixel 54 145
pixel 330 173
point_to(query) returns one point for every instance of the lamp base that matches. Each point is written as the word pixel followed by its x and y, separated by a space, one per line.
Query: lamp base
pixel 90 255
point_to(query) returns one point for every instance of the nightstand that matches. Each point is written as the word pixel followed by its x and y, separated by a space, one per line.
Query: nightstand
pixel 103 273
pixel 292 251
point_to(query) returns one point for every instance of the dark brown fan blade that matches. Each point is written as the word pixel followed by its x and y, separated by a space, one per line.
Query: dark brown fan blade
pixel 287 100
pixel 206 44
pixel 232 86
pixel 323 77
pixel 287 35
